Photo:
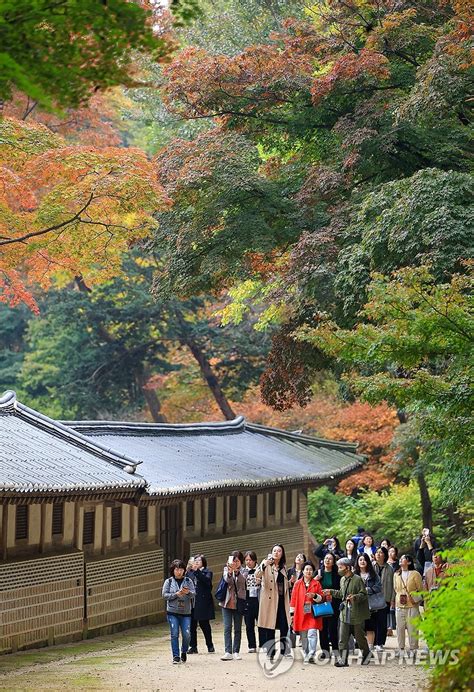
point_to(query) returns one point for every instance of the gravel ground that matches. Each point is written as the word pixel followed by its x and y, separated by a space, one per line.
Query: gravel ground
pixel 140 659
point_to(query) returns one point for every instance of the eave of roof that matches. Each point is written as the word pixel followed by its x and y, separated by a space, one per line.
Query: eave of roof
pixel 11 407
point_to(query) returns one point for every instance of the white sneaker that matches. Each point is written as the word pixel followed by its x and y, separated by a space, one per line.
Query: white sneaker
pixel 237 657
pixel 227 657
pixel 378 647
pixel 252 651
pixel 306 658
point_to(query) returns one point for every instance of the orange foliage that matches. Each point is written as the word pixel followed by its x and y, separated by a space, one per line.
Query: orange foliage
pixel 92 125
pixel 68 209
pixel 348 68
pixel 199 84
pixel 325 416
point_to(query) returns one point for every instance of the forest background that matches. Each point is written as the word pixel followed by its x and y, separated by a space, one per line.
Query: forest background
pixel 259 208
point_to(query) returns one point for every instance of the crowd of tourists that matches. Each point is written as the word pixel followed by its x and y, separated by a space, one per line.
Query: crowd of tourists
pixel 354 596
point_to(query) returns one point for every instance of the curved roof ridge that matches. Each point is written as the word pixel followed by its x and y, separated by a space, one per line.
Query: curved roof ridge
pixel 299 437
pixel 111 427
pixel 9 402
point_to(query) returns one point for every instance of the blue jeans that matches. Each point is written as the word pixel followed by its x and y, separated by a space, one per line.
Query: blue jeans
pixel 176 623
pixel 232 617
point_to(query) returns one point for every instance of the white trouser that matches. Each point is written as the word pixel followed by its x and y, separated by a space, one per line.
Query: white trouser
pixel 404 618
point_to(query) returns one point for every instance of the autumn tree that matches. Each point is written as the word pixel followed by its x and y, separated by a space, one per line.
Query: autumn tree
pixel 355 126
pixel 68 210
pixel 112 350
pixel 414 350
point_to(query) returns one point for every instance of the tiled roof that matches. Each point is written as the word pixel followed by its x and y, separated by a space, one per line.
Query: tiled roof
pixel 40 455
pixel 211 456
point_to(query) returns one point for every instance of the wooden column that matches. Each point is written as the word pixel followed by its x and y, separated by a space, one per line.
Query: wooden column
pixel 103 547
pixel 265 510
pixel 157 524
pixel 203 517
pixel 246 513
pixel 4 531
pixel 133 525
pixel 225 523
pixel 282 507
pixel 44 517
pixel 78 525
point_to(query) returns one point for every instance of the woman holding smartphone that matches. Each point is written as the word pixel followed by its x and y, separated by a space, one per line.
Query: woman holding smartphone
pixel 178 592
pixel 233 605
pixel 274 612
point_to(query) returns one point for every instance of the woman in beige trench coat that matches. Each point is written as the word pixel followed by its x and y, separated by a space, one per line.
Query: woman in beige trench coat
pixel 274 610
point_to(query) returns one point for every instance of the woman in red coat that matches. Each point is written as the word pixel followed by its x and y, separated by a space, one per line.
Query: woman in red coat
pixel 305 592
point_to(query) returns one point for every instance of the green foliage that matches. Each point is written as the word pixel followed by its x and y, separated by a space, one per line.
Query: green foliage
pixel 60 53
pixel 232 25
pixel 224 210
pixel 13 324
pixel 414 349
pixel 427 218
pixel 441 626
pixel 91 353
pixel 393 514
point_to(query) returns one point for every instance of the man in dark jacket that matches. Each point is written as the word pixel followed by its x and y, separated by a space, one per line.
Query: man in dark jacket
pixel 203 610
pixel 354 610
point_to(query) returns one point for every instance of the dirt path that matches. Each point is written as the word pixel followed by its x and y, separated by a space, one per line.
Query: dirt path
pixel 141 660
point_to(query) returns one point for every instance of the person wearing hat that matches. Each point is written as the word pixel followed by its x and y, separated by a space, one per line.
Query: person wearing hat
pixel 354 610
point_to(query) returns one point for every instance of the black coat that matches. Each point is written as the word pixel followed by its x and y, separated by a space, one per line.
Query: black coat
pixel 204 601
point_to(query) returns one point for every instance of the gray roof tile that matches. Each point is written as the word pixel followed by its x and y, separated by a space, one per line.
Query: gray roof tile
pixel 209 456
pixel 38 455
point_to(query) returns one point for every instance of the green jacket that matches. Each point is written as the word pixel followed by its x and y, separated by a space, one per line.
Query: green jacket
pixel 360 605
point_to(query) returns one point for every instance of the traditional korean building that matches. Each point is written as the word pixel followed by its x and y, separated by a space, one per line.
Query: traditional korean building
pixel 94 511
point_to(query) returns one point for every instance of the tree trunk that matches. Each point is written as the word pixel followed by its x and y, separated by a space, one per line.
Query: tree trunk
pixel 211 379
pixel 151 398
pixel 426 508
pixel 186 339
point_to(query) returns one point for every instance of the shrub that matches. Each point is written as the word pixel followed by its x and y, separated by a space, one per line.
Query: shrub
pixel 448 625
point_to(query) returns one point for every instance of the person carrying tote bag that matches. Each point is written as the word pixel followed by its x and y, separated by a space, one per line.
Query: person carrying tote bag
pixel 306 592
